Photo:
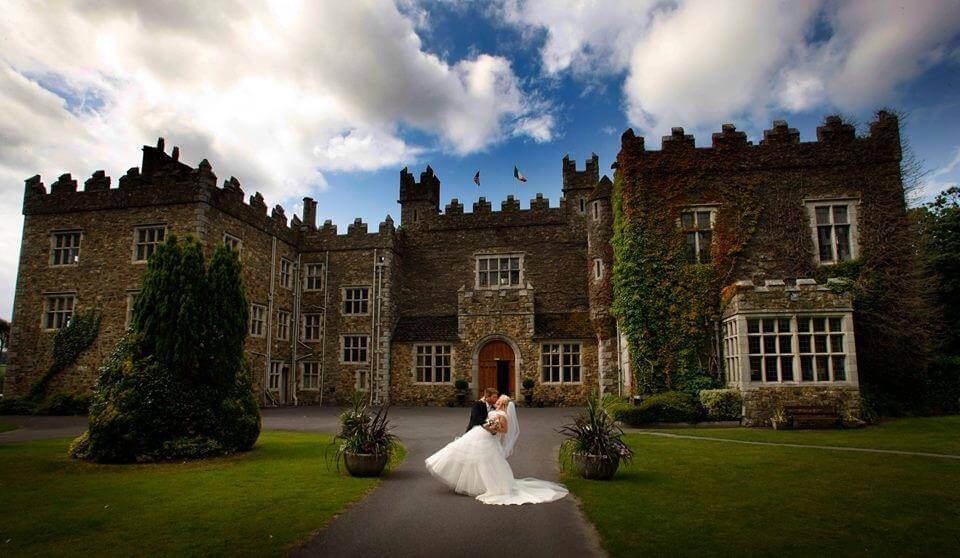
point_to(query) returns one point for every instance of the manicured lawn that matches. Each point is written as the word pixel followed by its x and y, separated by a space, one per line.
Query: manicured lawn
pixel 697 498
pixel 259 503
pixel 4 427
pixel 926 434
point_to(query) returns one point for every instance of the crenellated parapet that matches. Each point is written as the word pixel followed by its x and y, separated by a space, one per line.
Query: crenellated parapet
pixel 781 146
pixel 586 179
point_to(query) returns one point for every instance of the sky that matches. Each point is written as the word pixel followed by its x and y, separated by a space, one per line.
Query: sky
pixel 331 99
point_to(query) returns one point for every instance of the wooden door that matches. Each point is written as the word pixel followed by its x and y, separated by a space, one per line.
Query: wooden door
pixel 491 354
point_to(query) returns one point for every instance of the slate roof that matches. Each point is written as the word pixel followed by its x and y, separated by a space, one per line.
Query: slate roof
pixel 426 328
pixel 566 325
pixel 602 190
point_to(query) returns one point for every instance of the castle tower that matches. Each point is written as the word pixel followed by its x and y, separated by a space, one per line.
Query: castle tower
pixel 419 201
pixel 578 185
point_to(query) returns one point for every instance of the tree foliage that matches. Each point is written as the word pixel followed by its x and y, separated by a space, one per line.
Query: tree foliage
pixel 177 385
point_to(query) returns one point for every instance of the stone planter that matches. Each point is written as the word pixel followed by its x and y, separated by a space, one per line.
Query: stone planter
pixel 595 467
pixel 365 464
pixel 528 397
pixel 461 398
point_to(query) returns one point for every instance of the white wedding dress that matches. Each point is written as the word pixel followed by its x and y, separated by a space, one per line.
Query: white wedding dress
pixel 476 464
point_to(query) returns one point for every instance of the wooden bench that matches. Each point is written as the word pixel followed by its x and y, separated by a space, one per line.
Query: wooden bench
pixel 812 416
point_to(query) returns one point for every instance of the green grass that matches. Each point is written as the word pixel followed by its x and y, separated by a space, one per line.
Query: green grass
pixel 5 427
pixel 927 434
pixel 259 503
pixel 689 497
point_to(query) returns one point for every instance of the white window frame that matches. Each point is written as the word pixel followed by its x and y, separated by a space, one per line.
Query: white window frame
pixel 314 375
pixel 149 246
pixel 362 348
pixel 737 351
pixel 348 302
pixel 697 230
pixel 131 301
pixel 258 320
pixel 497 258
pixel 233 242
pixel 283 324
pixel 425 362
pixel 275 372
pixel 563 348
pixel 71 251
pixel 316 324
pixel 307 276
pixel 286 273
pixel 58 310
pixel 853 206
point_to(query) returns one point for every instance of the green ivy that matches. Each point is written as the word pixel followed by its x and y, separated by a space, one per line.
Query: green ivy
pixel 68 344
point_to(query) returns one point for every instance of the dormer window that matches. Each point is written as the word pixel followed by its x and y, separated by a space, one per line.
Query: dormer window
pixel 833 227
pixel 697 224
pixel 499 271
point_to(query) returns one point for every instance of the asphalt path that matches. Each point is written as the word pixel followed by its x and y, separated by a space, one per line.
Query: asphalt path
pixel 411 514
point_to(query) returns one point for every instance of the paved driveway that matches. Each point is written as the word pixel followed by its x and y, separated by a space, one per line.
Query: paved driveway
pixel 409 513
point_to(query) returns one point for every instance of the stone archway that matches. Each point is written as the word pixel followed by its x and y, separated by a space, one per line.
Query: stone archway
pixel 495 362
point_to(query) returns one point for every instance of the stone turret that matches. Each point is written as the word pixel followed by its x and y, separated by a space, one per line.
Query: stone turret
pixel 418 201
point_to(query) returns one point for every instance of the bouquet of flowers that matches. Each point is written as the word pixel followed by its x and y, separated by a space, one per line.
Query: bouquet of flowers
pixel 492 425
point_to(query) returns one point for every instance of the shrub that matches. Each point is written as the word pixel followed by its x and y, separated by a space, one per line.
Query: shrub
pixel 669 406
pixel 461 384
pixel 362 432
pixel 16 406
pixel 722 404
pixel 64 405
pixel 593 432
pixel 613 405
pixel 528 383
pixel 178 385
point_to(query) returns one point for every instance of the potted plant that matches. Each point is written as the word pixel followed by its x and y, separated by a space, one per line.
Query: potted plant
pixel 778 420
pixel 461 386
pixel 527 384
pixel 365 442
pixel 594 442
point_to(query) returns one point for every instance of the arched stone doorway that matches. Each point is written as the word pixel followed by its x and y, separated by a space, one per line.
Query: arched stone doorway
pixel 497 367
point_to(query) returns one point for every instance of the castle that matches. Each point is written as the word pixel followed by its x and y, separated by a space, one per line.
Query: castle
pixel 493 297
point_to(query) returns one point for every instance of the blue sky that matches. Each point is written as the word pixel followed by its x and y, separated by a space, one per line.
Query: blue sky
pixel 332 99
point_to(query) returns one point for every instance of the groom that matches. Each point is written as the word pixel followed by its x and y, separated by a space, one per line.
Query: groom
pixel 478 415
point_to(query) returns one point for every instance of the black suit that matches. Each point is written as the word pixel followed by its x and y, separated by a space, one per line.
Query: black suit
pixel 478 415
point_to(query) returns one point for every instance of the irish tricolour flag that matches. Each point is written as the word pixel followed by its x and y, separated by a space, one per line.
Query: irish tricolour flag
pixel 517 175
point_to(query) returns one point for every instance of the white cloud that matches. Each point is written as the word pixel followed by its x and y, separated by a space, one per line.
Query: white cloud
pixel 273 92
pixel 940 179
pixel 539 128
pixel 696 63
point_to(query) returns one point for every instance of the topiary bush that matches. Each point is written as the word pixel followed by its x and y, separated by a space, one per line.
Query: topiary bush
pixel 722 404
pixel 177 386
pixel 669 406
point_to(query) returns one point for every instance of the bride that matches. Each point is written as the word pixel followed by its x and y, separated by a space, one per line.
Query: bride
pixel 476 463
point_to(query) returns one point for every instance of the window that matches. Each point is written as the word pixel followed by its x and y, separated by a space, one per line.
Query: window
pixel 583 205
pixel 313 277
pixel 355 300
pixel 560 362
pixel 770 347
pixel 363 380
pixel 233 242
pixel 131 302
pixel 310 375
pixel 598 268
pixel 499 271
pixel 286 273
pixel 65 248
pixel 596 210
pixel 821 348
pixel 354 349
pixel 731 351
pixel 794 349
pixel 312 327
pixel 432 363
pixel 58 309
pixel 283 325
pixel 258 315
pixel 145 241
pixel 833 230
pixel 697 225
pixel 275 375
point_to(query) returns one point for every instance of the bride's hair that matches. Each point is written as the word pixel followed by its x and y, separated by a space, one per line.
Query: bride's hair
pixel 502 402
